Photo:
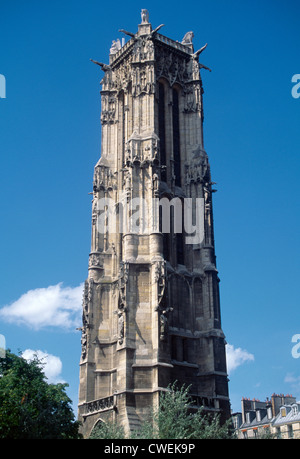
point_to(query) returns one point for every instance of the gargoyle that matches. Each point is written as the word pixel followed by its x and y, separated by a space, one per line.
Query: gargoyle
pixel 104 67
pixel 156 29
pixel 197 53
pixel 127 33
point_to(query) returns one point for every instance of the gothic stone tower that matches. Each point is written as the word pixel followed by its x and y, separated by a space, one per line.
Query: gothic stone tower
pixel 151 312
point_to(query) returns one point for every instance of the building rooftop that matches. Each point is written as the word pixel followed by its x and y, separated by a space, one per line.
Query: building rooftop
pixel 288 413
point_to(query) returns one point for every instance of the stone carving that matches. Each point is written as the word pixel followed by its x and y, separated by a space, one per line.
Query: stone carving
pixel 140 151
pixel 159 269
pixel 124 272
pixel 163 323
pixel 154 32
pixel 94 211
pixel 95 261
pixel 122 308
pixel 198 169
pixel 120 326
pixel 155 185
pixel 159 277
pixel 90 292
pixel 192 98
pixel 143 79
pixel 115 47
pixel 83 342
pixel 172 67
pixel 130 34
pixel 193 69
pixel 86 305
pixel 122 75
pixel 201 66
pixel 99 405
pixel 188 38
pixel 122 281
pixel 207 196
pixel 145 16
pixel 104 67
pixel 197 53
pixel 104 179
pixel 127 184
pixel 84 321
pixel 108 109
pixel 195 57
pixel 142 75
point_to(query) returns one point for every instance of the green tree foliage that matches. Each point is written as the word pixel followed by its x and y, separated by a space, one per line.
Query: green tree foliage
pixel 174 419
pixel 29 406
pixel 107 430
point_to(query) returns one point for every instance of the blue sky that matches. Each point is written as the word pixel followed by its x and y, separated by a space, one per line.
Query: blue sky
pixel 50 141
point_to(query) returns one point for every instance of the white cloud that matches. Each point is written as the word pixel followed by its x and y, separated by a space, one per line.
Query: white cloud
pixel 51 365
pixel 55 305
pixel 236 357
pixel 294 381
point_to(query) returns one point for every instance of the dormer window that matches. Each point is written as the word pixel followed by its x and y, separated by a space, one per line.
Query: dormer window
pixel 283 412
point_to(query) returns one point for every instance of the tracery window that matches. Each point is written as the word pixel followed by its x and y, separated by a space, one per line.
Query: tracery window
pixel 176 137
pixel 162 130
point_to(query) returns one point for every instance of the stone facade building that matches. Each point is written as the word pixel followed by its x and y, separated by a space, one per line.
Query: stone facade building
pixel 151 310
pixel 277 417
pixel 286 425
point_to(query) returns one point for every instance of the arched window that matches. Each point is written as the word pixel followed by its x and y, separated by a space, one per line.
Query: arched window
pixel 162 130
pixel 165 226
pixel 122 122
pixel 98 429
pixel 198 298
pixel 166 246
pixel 180 249
pixel 216 299
pixel 180 238
pixel 180 300
pixel 176 137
